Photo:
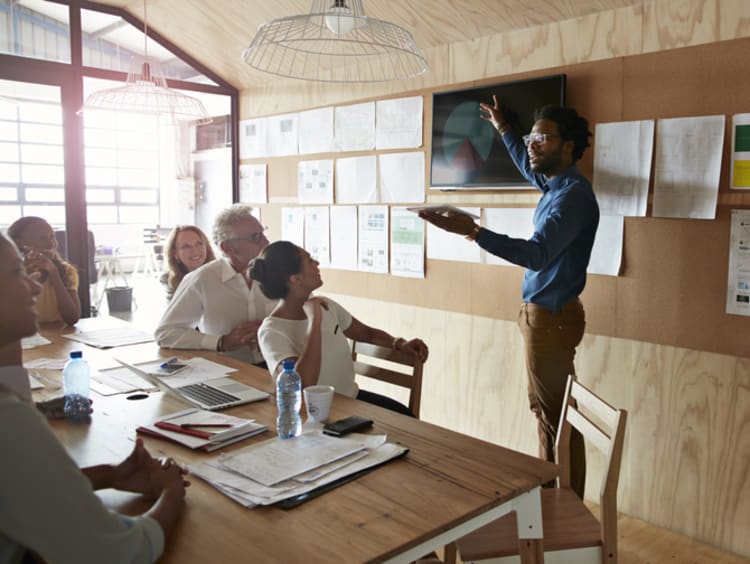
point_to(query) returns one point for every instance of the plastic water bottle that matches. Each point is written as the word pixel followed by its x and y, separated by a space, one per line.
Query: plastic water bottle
pixel 76 388
pixel 289 401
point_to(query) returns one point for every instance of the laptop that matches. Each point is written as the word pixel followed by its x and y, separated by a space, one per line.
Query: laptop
pixel 215 394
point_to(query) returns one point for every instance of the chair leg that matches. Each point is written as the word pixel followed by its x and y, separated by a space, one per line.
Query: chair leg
pixel 449 553
pixel 531 551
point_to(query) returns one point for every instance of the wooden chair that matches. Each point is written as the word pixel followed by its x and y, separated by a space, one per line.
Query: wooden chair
pixel 571 532
pixel 412 380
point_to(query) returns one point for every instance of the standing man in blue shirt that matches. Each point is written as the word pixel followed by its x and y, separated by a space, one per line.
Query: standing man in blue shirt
pixel 552 318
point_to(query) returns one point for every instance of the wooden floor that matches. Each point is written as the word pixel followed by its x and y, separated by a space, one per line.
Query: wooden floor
pixel 643 543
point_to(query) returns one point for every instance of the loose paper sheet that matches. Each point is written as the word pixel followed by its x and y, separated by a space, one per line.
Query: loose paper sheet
pixel 741 152
pixel 622 166
pixel 443 245
pixel 373 239
pixel 293 225
pixel 354 127
pixel 317 234
pixel 344 237
pixel 253 138
pixel 687 166
pixel 606 256
pixel 407 244
pixel 315 182
pixel 402 177
pixel 356 180
pixel 513 222
pixel 398 123
pixel 253 184
pixel 315 131
pixel 738 281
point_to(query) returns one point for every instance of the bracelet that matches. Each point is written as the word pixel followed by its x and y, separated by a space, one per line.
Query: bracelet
pixel 473 234
pixel 397 341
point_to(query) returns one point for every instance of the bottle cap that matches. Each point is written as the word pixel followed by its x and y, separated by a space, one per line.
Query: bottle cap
pixel 76 354
pixel 288 364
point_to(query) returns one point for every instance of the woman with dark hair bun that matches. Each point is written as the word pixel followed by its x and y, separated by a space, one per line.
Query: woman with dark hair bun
pixel 313 331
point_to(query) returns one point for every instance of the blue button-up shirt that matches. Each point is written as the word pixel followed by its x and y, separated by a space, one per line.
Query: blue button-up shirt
pixel 565 223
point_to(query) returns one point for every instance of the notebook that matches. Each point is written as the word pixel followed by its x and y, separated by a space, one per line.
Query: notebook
pixel 218 393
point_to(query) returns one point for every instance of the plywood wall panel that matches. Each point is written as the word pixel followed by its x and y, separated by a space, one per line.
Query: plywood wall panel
pixel 669 24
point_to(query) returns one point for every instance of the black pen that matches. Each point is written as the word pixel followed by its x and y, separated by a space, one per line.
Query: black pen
pixel 336 330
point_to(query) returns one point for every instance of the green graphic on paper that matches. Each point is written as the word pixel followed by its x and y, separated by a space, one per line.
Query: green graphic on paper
pixel 742 138
pixel 407 231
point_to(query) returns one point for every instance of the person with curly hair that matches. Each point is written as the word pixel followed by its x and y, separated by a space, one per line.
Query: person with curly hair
pixel 552 319
pixel 188 249
pixel 58 300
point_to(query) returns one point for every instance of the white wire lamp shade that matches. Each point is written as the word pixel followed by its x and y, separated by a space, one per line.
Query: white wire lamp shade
pixel 146 92
pixel 335 42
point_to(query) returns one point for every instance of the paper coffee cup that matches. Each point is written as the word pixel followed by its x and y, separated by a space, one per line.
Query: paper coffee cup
pixel 318 400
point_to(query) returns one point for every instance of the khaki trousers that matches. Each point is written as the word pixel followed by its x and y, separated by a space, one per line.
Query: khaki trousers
pixel 550 341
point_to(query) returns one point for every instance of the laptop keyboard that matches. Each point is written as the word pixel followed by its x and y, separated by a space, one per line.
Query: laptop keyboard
pixel 207 395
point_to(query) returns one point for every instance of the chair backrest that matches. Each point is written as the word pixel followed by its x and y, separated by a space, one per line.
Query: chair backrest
pixel 411 380
pixel 602 427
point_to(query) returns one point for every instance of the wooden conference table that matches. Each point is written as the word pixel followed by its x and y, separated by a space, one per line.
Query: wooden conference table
pixel 448 485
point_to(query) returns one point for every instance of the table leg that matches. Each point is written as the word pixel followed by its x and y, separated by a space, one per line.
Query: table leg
pixel 530 532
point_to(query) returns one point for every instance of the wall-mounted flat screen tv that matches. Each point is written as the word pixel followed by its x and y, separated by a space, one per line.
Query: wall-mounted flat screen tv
pixel 467 152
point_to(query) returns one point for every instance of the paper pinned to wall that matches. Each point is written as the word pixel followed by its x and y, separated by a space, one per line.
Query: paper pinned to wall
pixel 282 135
pixel 317 234
pixel 354 127
pixel 315 131
pixel 253 138
pixel 293 225
pixel 407 243
pixel 517 223
pixel 402 177
pixel 253 185
pixel 344 237
pixel 622 166
pixel 606 256
pixel 687 166
pixel 315 182
pixel 738 281
pixel 356 180
pixel 398 123
pixel 443 245
pixel 740 152
pixel 373 239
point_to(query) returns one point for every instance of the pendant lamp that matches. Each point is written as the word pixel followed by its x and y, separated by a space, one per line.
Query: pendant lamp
pixel 335 42
pixel 146 92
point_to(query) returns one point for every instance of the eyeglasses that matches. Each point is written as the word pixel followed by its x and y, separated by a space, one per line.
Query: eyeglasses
pixel 252 238
pixel 538 138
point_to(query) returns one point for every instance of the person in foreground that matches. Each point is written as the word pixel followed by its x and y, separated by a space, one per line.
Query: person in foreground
pixel 187 250
pixel 55 516
pixel 218 298
pixel 58 300
pixel 312 330
pixel 552 318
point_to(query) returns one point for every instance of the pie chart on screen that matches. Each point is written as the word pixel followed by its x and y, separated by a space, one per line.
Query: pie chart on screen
pixel 467 138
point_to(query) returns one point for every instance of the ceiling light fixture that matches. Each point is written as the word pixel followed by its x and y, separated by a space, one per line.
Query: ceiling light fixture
pixel 146 92
pixel 335 42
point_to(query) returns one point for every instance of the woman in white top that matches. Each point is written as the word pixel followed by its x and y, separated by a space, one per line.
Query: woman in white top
pixel 49 511
pixel 313 331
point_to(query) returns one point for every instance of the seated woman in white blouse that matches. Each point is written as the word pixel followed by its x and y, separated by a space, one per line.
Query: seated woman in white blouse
pixel 49 510
pixel 313 331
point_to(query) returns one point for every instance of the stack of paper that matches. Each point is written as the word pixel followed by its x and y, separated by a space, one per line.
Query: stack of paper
pixel 201 429
pixel 278 470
